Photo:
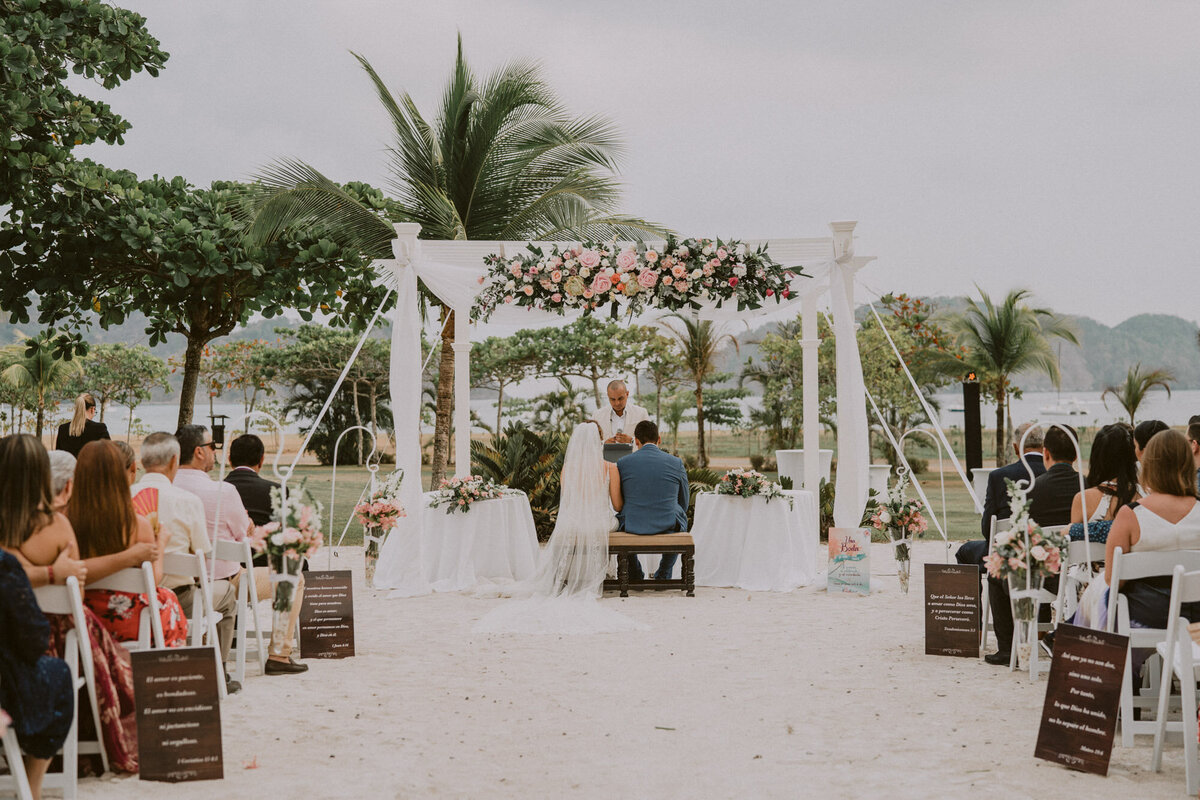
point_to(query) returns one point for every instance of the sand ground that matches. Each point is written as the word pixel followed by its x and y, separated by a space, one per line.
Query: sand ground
pixel 730 695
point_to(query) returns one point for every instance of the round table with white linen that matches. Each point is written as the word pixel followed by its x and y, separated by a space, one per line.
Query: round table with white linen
pixel 493 542
pixel 755 544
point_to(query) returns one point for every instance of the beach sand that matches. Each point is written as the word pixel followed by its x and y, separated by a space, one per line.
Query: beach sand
pixel 731 694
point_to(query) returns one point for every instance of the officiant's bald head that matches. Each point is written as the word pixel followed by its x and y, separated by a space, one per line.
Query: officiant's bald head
pixel 618 396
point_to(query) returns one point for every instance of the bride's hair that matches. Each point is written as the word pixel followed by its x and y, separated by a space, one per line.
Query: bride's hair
pixel 599 430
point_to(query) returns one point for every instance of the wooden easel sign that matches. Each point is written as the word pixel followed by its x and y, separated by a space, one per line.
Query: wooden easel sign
pixel 178 714
pixel 327 614
pixel 1079 718
pixel 849 561
pixel 952 610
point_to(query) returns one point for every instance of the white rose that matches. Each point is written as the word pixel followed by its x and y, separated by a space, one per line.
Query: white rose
pixel 584 272
pixel 740 270
pixel 277 539
pixel 1003 538
pixel 707 250
pixel 697 274
pixel 885 517
pixel 1038 552
pixel 509 286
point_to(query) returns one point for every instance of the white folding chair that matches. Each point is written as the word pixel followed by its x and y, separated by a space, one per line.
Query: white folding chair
pixel 16 779
pixel 985 626
pixel 202 619
pixel 1181 658
pixel 68 601
pixel 1131 566
pixel 138 580
pixel 247 606
pixel 1075 575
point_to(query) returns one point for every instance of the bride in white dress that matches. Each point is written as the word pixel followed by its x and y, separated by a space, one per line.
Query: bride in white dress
pixel 564 595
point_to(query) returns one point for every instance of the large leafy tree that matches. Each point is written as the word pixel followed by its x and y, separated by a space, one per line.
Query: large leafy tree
pixel 37 369
pixel 501 159
pixel 499 362
pixel 1003 339
pixel 591 349
pixel 701 343
pixel 1138 383
pixel 179 255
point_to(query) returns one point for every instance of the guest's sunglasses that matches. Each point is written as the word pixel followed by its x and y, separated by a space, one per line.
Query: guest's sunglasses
pixel 213 445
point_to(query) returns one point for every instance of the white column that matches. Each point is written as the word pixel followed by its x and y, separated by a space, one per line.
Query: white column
pixel 811 344
pixel 462 393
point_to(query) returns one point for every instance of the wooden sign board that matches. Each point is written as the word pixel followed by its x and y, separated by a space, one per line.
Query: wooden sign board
pixel 327 615
pixel 1079 718
pixel 952 610
pixel 178 714
pixel 849 561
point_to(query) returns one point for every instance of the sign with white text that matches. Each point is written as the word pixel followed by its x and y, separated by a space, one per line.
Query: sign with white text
pixel 952 610
pixel 849 561
pixel 178 714
pixel 327 615
pixel 1079 718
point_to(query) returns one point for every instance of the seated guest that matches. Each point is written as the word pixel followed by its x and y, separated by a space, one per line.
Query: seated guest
pixel 44 543
pixel 35 689
pixel 246 455
pixel 82 428
pixel 102 516
pixel 128 459
pixel 654 486
pixel 1144 432
pixel 62 475
pixel 996 501
pixel 1193 439
pixel 224 513
pixel 181 516
pixel 1111 480
pixel 1050 501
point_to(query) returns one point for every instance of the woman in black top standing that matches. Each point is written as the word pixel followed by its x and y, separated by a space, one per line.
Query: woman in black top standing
pixel 73 435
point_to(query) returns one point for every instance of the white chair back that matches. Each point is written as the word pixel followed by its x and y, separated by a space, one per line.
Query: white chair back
pixel 16 777
pixel 202 619
pixel 247 606
pixel 1180 659
pixel 138 580
pixel 1075 574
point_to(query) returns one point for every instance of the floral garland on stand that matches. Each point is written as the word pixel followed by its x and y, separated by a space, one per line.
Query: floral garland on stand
pixel 687 274
pixel 901 519
pixel 458 494
pixel 1025 555
pixel 378 515
pixel 293 533
pixel 749 483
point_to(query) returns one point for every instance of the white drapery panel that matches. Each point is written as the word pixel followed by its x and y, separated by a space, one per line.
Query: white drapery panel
pixel 853 444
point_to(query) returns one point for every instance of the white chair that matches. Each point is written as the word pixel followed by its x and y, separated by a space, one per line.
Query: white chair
pixel 1074 576
pixel 138 580
pixel 202 619
pixel 16 778
pixel 1131 566
pixel 247 606
pixel 68 601
pixel 1181 657
pixel 985 626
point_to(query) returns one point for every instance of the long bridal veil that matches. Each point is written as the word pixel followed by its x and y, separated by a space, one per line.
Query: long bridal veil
pixel 563 595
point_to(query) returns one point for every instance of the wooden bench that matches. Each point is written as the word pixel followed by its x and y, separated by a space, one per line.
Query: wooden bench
pixel 629 545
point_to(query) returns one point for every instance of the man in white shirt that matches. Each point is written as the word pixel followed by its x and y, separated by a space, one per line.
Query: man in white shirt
pixel 181 515
pixel 618 420
pixel 197 457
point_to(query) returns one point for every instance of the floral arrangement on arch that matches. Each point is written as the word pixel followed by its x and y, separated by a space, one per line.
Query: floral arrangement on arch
pixel 380 512
pixel 899 518
pixel 692 273
pixel 749 483
pixel 1025 553
pixel 293 533
pixel 457 494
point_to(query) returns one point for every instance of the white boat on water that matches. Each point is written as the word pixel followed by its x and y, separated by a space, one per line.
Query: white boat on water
pixel 1069 407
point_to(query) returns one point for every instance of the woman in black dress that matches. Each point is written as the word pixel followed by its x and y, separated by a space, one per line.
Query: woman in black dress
pixel 73 435
pixel 35 689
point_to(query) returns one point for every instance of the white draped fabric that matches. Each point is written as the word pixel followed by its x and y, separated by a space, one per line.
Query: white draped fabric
pixel 754 544
pixel 452 270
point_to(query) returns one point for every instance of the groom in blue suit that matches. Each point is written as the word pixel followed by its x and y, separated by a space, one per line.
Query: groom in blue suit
pixel 654 485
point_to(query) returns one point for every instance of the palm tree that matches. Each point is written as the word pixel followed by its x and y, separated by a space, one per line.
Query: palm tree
pixel 36 368
pixel 501 160
pixel 1137 384
pixel 700 341
pixel 1004 339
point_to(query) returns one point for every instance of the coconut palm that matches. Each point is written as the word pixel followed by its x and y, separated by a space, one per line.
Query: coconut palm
pixel 501 160
pixel 1137 385
pixel 35 368
pixel 700 342
pixel 1004 339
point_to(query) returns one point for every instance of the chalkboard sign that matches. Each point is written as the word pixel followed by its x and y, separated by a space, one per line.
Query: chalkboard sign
pixel 849 561
pixel 952 610
pixel 178 714
pixel 327 615
pixel 1083 694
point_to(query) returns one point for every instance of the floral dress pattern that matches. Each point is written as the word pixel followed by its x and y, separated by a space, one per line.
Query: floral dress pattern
pixel 121 612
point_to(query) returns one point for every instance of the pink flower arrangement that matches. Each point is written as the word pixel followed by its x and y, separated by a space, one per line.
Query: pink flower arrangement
pixel 749 483
pixel 457 494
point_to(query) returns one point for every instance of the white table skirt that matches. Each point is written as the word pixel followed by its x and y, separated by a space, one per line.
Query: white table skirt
pixel 494 542
pixel 753 544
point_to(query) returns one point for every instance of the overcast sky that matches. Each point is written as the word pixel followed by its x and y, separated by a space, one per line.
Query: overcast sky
pixel 1046 145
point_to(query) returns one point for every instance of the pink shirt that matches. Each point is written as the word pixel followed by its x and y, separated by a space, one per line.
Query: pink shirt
pixel 233 521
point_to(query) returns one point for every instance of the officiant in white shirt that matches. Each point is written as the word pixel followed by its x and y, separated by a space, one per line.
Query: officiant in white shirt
pixel 621 417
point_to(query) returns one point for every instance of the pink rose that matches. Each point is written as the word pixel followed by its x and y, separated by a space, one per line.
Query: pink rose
pixel 786 293
pixel 528 290
pixel 668 280
pixel 509 298
pixel 589 259
pixel 556 262
pixel 626 260
pixel 515 269
pixel 713 263
pixel 556 297
pixel 556 275
pixel 682 286
pixel 722 253
pixel 601 284
pixel 533 270
pixel 480 281
pixel 733 281
pixel 770 292
pixel 647 278
pixel 651 256
pixel 679 270
pixel 708 270
pixel 587 293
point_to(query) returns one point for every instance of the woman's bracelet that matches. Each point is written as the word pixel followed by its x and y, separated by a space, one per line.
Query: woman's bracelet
pixel 49 575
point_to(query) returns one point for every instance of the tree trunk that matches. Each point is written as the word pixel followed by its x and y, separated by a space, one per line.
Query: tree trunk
pixel 701 454
pixel 357 420
pixel 374 413
pixel 658 404
pixel 499 410
pixel 129 426
pixel 41 412
pixel 103 406
pixel 191 377
pixel 445 401
pixel 1000 397
pixel 596 388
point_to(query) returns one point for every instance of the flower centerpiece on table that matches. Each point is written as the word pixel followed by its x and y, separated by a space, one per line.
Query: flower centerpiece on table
pixel 900 519
pixel 687 274
pixel 749 483
pixel 378 514
pixel 293 533
pixel 458 494
pixel 1025 555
